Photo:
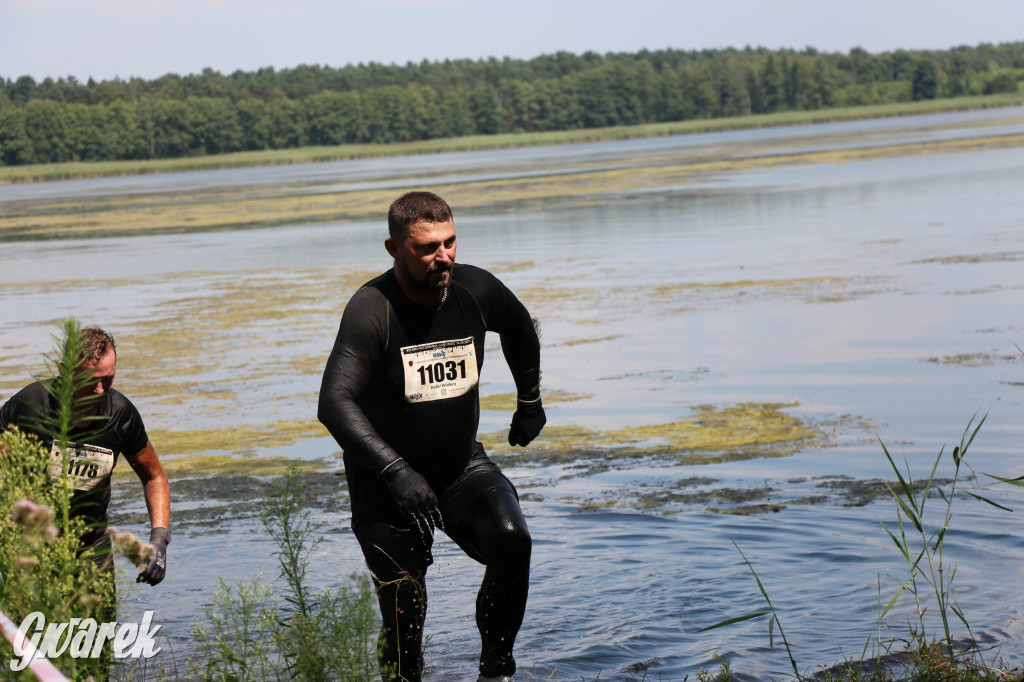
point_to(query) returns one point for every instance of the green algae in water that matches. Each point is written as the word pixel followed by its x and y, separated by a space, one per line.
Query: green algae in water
pixel 973 359
pixel 506 402
pixel 233 492
pixel 192 352
pixel 239 439
pixel 710 434
pixel 581 342
pixel 210 464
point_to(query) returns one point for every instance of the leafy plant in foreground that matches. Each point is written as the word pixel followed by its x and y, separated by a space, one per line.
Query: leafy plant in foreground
pixel 772 621
pixel 925 554
pixel 922 543
pixel 249 635
pixel 42 567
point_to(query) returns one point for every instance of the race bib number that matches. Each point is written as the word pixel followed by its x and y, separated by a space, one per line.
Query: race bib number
pixel 443 369
pixel 88 465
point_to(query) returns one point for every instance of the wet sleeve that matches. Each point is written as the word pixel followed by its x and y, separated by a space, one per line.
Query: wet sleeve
pixel 7 415
pixel 361 340
pixel 505 314
pixel 130 430
pixel 16 410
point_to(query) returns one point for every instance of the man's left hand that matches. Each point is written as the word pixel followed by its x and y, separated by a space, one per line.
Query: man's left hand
pixel 154 573
pixel 527 422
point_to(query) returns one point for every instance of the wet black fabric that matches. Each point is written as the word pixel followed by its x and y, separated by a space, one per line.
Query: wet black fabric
pixel 362 397
pixel 366 405
pixel 481 513
pixel 119 428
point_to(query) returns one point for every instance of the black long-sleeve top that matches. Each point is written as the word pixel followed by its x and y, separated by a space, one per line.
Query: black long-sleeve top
pixel 402 380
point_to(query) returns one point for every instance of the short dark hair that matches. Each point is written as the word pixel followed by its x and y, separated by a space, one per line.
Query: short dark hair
pixel 412 207
pixel 95 344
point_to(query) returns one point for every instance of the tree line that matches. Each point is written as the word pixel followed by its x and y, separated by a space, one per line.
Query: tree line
pixel 211 113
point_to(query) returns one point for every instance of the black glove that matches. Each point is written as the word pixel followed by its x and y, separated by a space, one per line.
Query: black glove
pixel 154 573
pixel 410 490
pixel 527 422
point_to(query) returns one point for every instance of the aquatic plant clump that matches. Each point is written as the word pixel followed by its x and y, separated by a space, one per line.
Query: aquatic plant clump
pixel 709 434
pixel 920 540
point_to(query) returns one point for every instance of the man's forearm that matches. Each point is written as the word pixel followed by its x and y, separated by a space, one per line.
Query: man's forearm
pixel 344 379
pixel 355 434
pixel 158 501
pixel 522 353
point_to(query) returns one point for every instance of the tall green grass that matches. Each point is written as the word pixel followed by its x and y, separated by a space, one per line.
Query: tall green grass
pixel 923 544
pixel 919 535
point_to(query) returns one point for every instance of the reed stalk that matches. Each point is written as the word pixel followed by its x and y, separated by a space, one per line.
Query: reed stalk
pixel 921 542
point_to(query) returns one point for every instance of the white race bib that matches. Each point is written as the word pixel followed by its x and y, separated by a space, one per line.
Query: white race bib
pixel 443 369
pixel 88 465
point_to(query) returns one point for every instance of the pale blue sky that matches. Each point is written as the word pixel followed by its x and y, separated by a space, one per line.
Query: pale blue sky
pixel 104 39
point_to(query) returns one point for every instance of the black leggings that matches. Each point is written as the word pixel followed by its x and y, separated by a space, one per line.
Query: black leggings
pixel 481 514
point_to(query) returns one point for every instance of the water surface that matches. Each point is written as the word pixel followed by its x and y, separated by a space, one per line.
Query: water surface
pixel 871 299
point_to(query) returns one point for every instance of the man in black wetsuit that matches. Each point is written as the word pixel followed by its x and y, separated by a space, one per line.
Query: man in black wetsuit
pixel 400 395
pixel 108 427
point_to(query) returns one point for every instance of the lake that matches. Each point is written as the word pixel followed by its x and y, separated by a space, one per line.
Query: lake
pixel 721 356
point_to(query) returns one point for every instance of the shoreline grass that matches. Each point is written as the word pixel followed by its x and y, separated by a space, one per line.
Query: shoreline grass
pixel 84 169
pixel 920 541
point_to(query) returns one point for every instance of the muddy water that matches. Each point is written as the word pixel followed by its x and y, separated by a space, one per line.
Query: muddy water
pixel 721 357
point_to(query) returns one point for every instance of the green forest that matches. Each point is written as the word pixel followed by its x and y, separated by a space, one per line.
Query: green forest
pixel 210 113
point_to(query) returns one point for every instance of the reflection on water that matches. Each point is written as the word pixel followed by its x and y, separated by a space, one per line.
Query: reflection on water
pixel 868 298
